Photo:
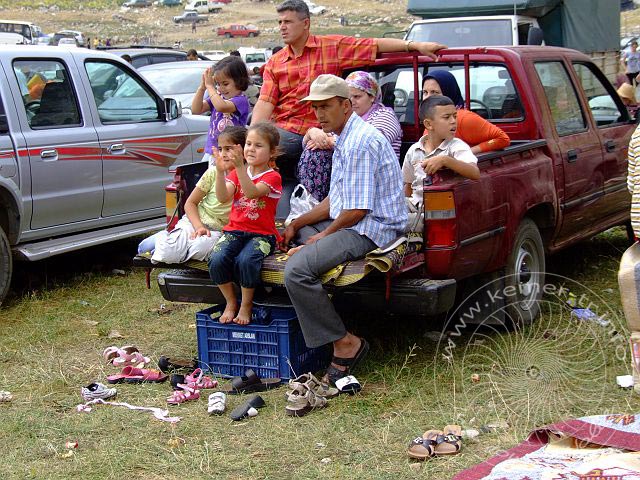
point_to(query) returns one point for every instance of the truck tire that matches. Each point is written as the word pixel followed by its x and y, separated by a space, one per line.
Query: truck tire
pixel 525 272
pixel 251 34
pixel 227 35
pixel 6 265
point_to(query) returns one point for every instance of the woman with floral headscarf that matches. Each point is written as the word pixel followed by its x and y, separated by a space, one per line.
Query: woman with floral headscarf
pixel 314 167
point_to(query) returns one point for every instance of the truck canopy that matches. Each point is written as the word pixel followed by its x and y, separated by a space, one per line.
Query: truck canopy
pixel 585 25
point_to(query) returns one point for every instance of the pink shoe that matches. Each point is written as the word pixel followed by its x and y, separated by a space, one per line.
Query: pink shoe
pixel 184 395
pixel 198 380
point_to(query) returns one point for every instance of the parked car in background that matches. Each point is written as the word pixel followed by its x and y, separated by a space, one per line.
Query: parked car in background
pixel 315 9
pixel 68 43
pixel 167 3
pixel 69 34
pixel 178 80
pixel 254 57
pixel 204 6
pixel 150 56
pixel 190 16
pixel 86 144
pixel 237 30
pixel 137 3
pixel 214 55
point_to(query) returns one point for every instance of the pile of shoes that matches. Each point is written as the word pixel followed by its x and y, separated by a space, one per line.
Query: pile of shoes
pixel 306 393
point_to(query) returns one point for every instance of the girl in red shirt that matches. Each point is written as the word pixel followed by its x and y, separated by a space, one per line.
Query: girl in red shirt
pixel 251 233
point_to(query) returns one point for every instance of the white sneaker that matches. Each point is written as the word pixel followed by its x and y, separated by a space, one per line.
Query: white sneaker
pixel 97 390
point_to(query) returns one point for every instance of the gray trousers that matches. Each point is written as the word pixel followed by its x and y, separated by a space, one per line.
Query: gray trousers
pixel 319 321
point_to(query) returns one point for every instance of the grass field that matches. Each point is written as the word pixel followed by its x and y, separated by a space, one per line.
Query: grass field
pixel 55 325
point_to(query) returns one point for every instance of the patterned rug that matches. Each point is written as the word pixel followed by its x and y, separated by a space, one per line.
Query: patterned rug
pixel 600 447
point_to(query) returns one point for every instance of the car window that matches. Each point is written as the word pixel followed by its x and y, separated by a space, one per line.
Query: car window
pixel 561 98
pixel 166 58
pixel 140 61
pixel 126 99
pixel 601 102
pixel 396 90
pixel 174 81
pixel 48 96
pixel 492 92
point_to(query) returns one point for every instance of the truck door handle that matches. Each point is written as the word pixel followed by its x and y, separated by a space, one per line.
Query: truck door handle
pixel 572 155
pixel 610 145
pixel 117 149
pixel 49 154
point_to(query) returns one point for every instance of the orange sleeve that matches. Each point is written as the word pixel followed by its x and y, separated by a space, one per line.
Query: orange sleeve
pixel 475 130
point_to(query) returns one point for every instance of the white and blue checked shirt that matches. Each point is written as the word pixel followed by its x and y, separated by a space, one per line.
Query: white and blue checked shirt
pixel 366 175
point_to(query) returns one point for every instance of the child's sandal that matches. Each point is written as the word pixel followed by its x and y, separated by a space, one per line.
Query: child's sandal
pixel 185 394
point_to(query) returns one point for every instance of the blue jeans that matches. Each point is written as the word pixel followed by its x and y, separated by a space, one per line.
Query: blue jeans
pixel 238 256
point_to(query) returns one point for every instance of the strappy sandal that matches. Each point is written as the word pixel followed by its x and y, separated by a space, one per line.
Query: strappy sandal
pixel 170 364
pixel 301 400
pixel 184 395
pixel 315 385
pixel 334 374
pixel 198 380
pixel 422 448
pixel 449 442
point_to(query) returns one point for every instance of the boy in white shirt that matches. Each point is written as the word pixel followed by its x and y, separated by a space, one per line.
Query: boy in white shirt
pixel 437 149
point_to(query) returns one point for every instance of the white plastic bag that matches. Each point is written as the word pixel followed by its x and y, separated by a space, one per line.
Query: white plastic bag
pixel 300 203
pixel 415 222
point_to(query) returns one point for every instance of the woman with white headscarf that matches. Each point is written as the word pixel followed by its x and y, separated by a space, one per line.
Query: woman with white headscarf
pixel 314 167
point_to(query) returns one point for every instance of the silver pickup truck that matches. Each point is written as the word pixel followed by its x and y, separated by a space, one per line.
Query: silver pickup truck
pixel 86 144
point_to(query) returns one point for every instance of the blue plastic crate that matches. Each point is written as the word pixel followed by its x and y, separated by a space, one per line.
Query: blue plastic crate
pixel 268 344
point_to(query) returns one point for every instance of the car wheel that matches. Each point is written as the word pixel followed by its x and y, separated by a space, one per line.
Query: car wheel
pixel 6 265
pixel 525 272
pixel 227 35
pixel 251 34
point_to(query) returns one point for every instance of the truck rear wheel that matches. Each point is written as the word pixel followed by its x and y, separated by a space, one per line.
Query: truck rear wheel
pixel 227 35
pixel 251 34
pixel 525 273
pixel 6 265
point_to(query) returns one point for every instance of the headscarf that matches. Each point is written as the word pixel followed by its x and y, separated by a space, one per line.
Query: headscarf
pixel 448 85
pixel 365 82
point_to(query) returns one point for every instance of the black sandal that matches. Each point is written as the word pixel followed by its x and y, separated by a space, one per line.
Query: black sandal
pixel 251 383
pixel 334 374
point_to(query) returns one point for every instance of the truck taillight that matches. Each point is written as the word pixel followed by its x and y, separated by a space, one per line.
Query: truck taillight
pixel 440 219
pixel 171 204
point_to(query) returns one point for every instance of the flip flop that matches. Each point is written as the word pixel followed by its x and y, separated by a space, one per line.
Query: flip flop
pixel 248 408
pixel 348 384
pixel 217 403
pixel 449 442
pixel 137 375
pixel 334 374
pixel 169 364
pixel 251 383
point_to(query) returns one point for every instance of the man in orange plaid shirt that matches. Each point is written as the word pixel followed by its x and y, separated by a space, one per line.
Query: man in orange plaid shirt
pixel 289 73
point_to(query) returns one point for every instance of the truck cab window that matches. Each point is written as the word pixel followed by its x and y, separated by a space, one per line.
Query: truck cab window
pixel 48 96
pixel 561 98
pixel 396 89
pixel 119 96
pixel 493 94
pixel 602 104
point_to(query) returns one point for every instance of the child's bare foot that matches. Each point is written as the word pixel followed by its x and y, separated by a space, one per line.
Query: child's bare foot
pixel 229 313
pixel 244 315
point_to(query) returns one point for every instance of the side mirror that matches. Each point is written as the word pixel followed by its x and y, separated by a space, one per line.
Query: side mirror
pixel 4 125
pixel 171 109
pixel 535 36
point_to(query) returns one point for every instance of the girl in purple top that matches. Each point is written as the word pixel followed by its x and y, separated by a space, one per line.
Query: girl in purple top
pixel 225 84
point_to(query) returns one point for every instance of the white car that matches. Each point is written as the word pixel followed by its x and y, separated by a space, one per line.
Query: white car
pixel 215 55
pixel 315 9
pixel 67 42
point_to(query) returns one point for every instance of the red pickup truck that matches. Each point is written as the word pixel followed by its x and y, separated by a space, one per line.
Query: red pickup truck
pixel 560 181
pixel 236 30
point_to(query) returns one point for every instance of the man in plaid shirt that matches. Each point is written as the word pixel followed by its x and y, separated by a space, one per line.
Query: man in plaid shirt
pixel 289 73
pixel 365 209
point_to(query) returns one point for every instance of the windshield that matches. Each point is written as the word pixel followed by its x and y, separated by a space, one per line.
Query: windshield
pixel 468 33
pixel 179 81
pixel 19 28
